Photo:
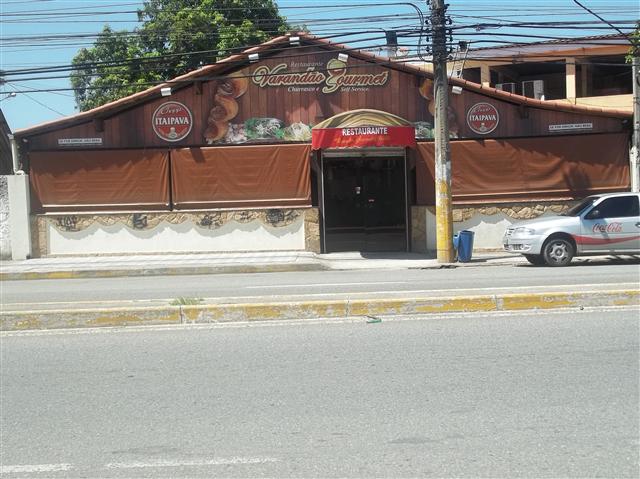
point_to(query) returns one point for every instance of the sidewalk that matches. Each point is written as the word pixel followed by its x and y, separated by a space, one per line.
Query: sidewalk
pixel 67 267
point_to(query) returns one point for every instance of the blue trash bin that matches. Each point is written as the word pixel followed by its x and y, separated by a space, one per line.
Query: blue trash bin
pixel 463 244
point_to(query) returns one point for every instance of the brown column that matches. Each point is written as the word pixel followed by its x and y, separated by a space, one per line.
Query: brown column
pixel 570 68
pixel 584 79
pixel 485 75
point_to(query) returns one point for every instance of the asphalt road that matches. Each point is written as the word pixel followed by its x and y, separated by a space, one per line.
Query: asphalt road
pixel 48 294
pixel 501 395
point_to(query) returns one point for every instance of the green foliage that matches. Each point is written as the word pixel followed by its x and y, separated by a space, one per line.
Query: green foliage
pixel 176 37
pixel 100 76
pixel 635 44
pixel 182 301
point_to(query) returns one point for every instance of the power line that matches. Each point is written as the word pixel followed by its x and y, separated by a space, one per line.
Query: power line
pixel 163 57
pixel 10 41
pixel 149 64
pixel 36 101
pixel 391 63
pixel 341 27
pixel 598 16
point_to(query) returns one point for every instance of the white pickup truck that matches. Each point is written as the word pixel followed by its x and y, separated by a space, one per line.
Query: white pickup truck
pixel 600 224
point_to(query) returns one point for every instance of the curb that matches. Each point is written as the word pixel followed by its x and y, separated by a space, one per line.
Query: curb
pixel 319 265
pixel 224 313
pixel 162 271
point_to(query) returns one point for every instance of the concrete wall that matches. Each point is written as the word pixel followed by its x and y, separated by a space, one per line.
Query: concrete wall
pixel 253 230
pixel 5 228
pixel 487 222
pixel 19 219
pixel 619 102
pixel 213 231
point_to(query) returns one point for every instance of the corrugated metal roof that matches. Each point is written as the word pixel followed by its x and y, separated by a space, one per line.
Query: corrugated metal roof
pixel 595 40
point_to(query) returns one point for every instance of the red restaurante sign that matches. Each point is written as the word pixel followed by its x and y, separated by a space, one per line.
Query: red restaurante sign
pixel 363 136
pixel 172 121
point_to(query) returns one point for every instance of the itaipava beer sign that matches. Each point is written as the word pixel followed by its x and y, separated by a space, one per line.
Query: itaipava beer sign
pixel 172 121
pixel 483 118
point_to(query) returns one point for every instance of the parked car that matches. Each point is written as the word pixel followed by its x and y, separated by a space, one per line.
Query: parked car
pixel 600 224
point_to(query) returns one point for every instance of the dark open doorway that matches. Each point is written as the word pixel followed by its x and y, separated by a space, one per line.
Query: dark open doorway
pixel 365 205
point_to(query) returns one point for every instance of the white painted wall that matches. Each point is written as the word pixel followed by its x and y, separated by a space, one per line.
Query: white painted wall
pixel 488 230
pixel 177 238
pixel 430 223
pixel 20 228
pixel 5 230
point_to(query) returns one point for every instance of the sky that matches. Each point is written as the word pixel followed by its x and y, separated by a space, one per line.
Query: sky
pixel 52 22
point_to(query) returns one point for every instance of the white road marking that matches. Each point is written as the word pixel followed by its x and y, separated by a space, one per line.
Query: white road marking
pixel 99 301
pixel 577 287
pixel 316 285
pixel 206 462
pixel 34 468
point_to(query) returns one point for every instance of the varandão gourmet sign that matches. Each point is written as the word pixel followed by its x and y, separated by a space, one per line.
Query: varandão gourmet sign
pixel 337 77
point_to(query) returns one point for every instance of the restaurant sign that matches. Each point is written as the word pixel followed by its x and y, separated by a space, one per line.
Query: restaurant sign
pixel 483 118
pixel 363 136
pixel 172 121
pixel 316 77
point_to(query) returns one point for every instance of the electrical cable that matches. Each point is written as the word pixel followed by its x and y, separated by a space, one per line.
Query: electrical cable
pixel 419 32
pixel 36 101
pixel 323 70
pixel 598 16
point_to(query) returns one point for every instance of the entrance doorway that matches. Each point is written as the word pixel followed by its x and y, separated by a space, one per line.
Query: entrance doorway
pixel 364 204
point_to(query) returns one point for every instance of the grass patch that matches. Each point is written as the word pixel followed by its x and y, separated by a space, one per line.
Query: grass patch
pixel 182 301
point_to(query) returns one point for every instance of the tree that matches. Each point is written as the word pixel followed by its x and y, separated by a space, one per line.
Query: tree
pixel 112 68
pixel 176 36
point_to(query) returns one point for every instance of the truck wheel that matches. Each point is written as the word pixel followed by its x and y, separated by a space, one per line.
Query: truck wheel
pixel 535 259
pixel 557 252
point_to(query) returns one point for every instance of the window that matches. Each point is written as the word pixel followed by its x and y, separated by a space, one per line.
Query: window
pixel 580 207
pixel 617 207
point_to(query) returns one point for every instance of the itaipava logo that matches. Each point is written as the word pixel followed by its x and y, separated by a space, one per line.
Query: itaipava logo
pixel 172 121
pixel 483 118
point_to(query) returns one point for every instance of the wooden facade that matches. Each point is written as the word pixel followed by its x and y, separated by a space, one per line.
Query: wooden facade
pixel 269 91
pixel 231 144
pixel 278 99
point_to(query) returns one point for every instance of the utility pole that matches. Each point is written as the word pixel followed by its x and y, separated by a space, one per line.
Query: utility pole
pixel 634 156
pixel 444 210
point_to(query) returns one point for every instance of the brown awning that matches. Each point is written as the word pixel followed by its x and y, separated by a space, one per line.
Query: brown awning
pixel 528 168
pixel 248 176
pixel 99 180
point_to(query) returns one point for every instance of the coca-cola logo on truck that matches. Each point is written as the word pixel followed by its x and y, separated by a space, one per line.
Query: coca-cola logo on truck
pixel 172 121
pixel 483 118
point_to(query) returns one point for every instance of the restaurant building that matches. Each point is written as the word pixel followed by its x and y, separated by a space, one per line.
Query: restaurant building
pixel 301 144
